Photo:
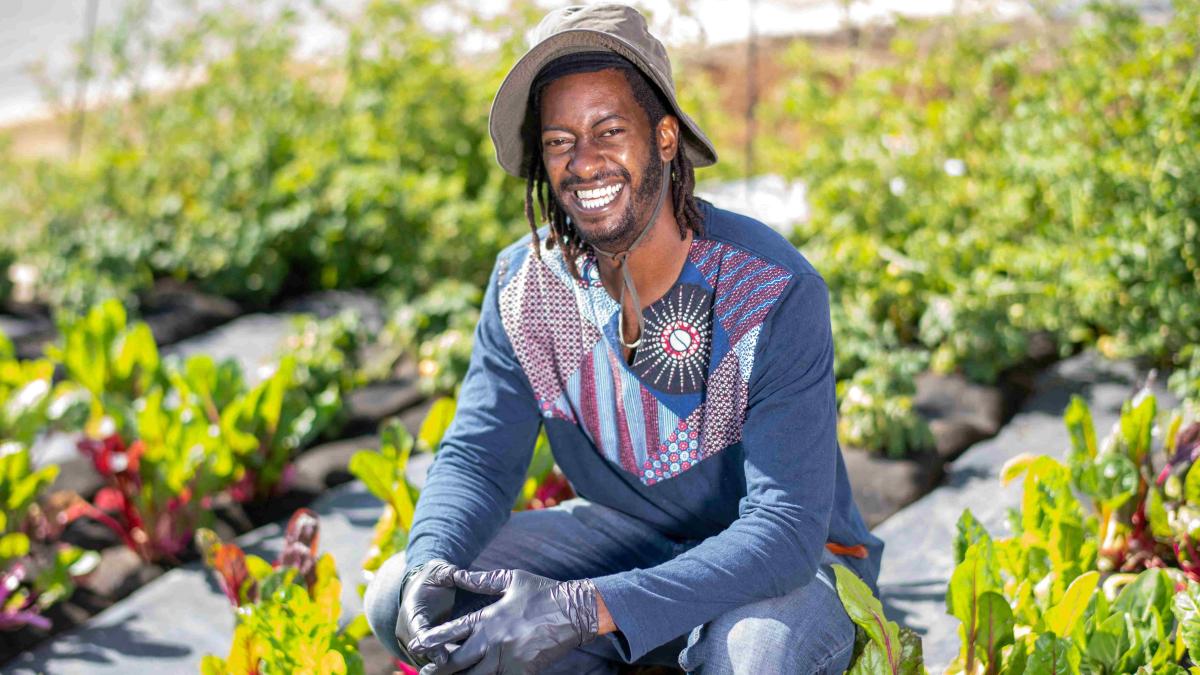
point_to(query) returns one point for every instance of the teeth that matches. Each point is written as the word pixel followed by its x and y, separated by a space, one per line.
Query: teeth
pixel 594 199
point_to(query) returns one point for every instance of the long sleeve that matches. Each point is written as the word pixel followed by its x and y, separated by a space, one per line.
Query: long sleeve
pixel 790 447
pixel 481 462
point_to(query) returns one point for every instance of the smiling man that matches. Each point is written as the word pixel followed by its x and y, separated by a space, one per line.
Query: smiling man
pixel 680 360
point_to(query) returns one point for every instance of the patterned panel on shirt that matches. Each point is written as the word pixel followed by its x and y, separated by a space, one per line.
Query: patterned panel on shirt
pixel 747 288
pixel 675 350
pixel 548 335
pixel 553 323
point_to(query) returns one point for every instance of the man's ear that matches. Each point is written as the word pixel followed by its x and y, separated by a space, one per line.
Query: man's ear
pixel 667 137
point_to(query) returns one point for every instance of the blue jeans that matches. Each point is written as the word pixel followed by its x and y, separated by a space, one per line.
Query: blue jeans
pixel 805 631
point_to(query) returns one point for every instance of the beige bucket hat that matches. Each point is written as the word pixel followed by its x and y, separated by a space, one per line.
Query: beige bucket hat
pixel 586 28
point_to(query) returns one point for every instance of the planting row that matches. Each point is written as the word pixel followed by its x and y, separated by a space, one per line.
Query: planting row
pixel 168 440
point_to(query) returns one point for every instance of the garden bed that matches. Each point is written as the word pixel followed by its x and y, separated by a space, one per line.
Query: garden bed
pixel 960 413
pixel 314 470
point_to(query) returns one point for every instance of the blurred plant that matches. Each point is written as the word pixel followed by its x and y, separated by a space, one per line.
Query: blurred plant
pixel 983 180
pixel 267 176
pixel 1185 381
pixel 35 570
pixel 116 362
pixel 876 405
pixel 30 403
pixel 287 612
pixel 268 424
pixel 438 329
pixel 383 473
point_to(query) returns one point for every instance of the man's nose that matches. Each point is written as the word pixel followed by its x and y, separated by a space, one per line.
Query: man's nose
pixel 586 160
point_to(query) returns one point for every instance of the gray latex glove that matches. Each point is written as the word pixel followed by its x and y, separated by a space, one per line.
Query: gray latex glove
pixel 535 623
pixel 426 598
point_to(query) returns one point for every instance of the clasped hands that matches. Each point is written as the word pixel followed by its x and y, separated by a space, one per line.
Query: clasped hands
pixel 535 622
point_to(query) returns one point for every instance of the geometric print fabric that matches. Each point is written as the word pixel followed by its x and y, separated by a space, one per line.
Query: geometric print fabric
pixel 563 334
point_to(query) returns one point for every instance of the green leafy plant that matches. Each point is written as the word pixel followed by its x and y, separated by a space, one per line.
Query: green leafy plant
pixel 437 329
pixel 880 646
pixel 288 612
pixel 382 471
pixel 1108 589
pixel 114 361
pixel 270 422
pixel 875 410
pixel 35 570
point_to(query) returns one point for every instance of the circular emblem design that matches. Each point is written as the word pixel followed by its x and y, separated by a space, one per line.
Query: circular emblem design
pixel 676 361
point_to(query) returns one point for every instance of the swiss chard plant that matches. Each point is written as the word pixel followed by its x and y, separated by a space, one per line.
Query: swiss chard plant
pixel 383 471
pixel 267 425
pixel 288 612
pixel 35 570
pixel 174 456
pixel 1105 589
pixel 31 403
pixel 881 647
pixel 115 361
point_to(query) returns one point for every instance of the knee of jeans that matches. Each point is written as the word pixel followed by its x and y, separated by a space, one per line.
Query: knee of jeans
pixel 761 645
pixel 739 643
pixel 381 602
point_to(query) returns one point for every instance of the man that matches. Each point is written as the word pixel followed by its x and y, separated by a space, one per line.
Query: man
pixel 680 359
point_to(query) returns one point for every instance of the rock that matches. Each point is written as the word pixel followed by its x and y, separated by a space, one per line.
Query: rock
pixel 91 534
pixel 959 412
pixel 28 333
pixel 952 436
pixel 954 396
pixel 883 485
pixel 253 340
pixel 369 405
pixel 119 573
pixel 175 311
pixel 325 304
pixel 327 465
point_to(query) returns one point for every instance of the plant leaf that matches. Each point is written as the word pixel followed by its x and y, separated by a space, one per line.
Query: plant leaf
pixel 866 611
pixel 1061 618
pixel 435 424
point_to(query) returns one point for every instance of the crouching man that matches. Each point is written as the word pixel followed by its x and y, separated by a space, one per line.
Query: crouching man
pixel 680 359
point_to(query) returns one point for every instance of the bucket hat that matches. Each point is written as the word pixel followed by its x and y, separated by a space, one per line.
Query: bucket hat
pixel 586 28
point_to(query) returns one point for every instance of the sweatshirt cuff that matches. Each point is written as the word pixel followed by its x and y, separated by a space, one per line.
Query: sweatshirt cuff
pixel 632 640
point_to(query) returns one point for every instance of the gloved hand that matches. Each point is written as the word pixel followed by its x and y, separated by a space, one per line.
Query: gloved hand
pixel 426 598
pixel 536 622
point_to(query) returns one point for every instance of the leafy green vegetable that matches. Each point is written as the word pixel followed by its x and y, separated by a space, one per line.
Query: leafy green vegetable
pixel 887 648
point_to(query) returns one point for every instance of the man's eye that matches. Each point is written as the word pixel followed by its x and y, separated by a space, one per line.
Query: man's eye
pixel 612 132
pixel 555 142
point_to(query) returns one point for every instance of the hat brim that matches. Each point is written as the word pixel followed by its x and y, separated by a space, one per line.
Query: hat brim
pixel 512 98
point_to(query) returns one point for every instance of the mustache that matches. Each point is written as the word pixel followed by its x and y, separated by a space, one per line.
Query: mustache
pixel 571 181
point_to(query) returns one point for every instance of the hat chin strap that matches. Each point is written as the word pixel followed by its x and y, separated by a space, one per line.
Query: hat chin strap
pixel 621 258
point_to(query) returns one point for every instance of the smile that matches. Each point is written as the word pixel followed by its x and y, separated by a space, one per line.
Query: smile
pixel 598 198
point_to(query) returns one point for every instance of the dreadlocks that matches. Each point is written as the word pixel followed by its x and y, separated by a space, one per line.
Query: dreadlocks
pixel 537 188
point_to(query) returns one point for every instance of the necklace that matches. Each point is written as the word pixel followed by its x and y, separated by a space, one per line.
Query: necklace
pixel 620 258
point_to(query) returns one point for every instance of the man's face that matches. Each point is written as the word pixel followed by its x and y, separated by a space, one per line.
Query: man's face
pixel 603 164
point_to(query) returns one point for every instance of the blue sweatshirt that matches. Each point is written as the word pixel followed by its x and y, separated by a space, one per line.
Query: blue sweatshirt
pixel 723 428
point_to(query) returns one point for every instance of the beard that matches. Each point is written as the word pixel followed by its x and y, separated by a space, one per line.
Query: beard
pixel 640 205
